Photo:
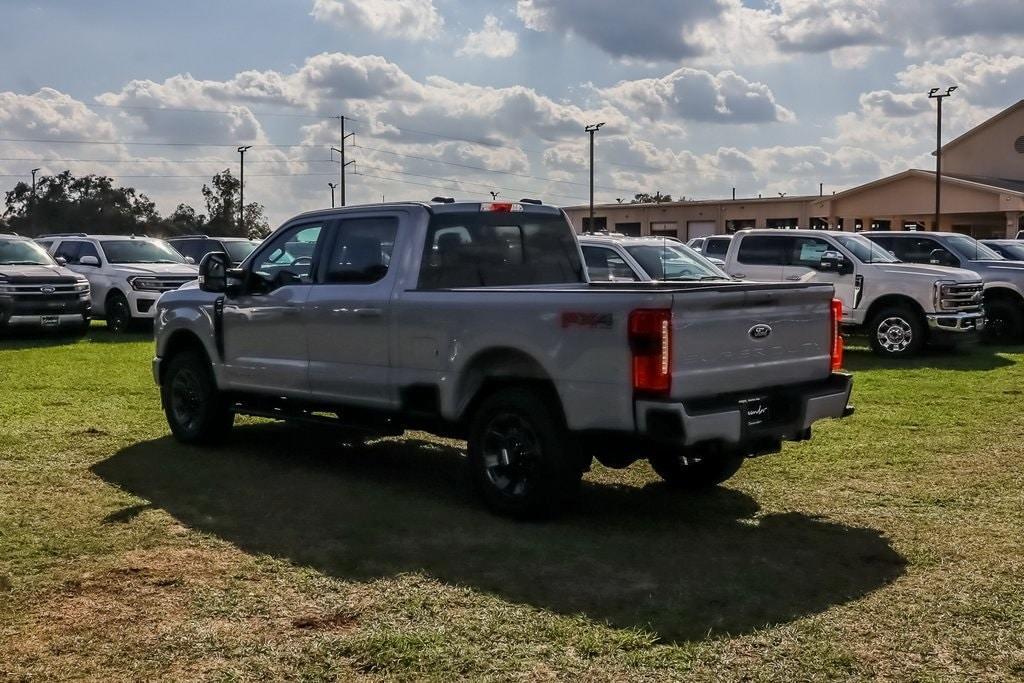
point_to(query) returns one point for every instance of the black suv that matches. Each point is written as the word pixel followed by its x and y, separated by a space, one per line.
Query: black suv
pixel 198 246
pixel 38 292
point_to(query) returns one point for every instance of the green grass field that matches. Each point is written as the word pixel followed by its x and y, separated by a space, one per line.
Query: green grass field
pixel 891 546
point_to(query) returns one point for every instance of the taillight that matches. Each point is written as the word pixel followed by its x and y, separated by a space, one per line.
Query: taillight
pixel 836 350
pixel 650 341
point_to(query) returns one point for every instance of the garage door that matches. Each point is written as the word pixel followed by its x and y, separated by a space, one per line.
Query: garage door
pixel 699 229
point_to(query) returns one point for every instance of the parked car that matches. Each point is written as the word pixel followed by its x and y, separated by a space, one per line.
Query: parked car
pixel 1004 280
pixel 127 273
pixel 1011 250
pixel 899 306
pixel 714 246
pixel 38 292
pixel 646 259
pixel 195 247
pixel 476 320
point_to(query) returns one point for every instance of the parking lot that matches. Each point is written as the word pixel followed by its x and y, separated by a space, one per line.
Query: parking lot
pixel 888 546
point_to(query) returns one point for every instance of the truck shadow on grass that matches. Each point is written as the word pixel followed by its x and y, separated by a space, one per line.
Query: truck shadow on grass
pixel 682 566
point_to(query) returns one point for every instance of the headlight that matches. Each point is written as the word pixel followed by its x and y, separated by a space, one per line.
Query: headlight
pixel 142 283
pixel 82 286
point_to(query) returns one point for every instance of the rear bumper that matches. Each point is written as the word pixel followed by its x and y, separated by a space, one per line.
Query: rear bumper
pixel 720 419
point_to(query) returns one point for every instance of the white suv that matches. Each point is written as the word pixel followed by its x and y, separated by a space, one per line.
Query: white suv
pixel 127 273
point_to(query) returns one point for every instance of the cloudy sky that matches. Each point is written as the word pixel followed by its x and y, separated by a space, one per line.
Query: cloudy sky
pixel 461 98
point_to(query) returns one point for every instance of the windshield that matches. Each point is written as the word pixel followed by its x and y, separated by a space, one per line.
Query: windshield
pixel 140 251
pixel 238 251
pixel 865 250
pixel 971 249
pixel 23 253
pixel 1014 252
pixel 674 262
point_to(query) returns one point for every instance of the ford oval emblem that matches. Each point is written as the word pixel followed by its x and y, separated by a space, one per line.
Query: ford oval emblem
pixel 47 290
pixel 760 331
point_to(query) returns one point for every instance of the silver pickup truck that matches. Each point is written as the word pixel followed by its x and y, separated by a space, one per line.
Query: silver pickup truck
pixel 477 321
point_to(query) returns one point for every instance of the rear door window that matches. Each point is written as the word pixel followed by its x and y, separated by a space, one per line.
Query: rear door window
pixel 716 248
pixel 763 250
pixel 490 249
pixel 361 252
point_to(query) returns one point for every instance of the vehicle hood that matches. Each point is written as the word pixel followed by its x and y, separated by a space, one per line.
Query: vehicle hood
pixel 36 272
pixel 925 270
pixel 179 269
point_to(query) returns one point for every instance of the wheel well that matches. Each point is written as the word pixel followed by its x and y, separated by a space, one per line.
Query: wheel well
pixel 496 369
pixel 893 300
pixel 114 291
pixel 182 340
pixel 1003 294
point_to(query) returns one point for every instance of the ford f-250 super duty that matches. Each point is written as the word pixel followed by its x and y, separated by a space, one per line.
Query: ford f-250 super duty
pixel 476 320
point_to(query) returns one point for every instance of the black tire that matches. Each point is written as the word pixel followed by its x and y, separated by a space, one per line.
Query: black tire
pixel 1004 322
pixel 897 332
pixel 522 459
pixel 196 411
pixel 118 313
pixel 697 469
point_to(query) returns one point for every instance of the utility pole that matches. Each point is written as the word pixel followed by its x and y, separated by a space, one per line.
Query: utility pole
pixel 332 186
pixel 939 96
pixel 341 151
pixel 241 189
pixel 592 128
pixel 33 210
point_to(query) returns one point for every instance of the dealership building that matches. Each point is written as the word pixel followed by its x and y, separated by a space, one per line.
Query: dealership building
pixel 982 195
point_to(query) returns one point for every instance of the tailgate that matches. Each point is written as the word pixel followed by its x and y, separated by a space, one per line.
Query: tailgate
pixel 751 336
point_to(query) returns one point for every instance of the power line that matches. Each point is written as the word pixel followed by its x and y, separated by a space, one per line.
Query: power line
pixel 132 107
pixel 164 161
pixel 199 175
pixel 152 144
pixel 488 170
pixel 467 182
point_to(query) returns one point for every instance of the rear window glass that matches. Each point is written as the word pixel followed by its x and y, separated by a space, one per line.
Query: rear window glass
pixel 716 248
pixel 763 250
pixel 499 250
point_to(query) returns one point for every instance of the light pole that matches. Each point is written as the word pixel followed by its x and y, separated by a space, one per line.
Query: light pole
pixel 592 128
pixel 32 220
pixel 939 96
pixel 332 186
pixel 241 186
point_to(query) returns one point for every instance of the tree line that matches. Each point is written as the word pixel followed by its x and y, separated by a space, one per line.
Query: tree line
pixel 94 204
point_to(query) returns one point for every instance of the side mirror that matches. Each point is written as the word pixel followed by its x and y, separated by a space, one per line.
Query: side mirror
pixel 189 260
pixel 213 272
pixel 831 261
pixel 61 261
pixel 940 257
pixel 89 261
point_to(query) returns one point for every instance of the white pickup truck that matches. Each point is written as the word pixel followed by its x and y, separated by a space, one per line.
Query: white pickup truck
pixel 477 320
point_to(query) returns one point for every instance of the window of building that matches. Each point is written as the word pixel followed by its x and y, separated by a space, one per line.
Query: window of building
pixel 631 229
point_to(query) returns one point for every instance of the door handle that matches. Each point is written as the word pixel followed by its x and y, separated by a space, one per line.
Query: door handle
pixel 794 277
pixel 368 312
pixel 739 275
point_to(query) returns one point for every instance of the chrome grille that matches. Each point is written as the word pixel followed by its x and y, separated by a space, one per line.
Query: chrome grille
pixel 159 283
pixel 961 298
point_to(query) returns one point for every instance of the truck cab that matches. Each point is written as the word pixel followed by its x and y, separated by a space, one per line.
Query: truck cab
pixel 899 306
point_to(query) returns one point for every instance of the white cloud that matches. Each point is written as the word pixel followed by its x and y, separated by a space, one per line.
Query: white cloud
pixel 408 19
pixel 490 41
pixel 698 95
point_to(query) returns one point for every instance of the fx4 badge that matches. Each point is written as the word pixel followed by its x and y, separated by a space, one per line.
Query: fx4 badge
pixel 761 331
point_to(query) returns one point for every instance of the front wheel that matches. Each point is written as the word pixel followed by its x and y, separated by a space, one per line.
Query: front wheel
pixel 896 333
pixel 118 313
pixel 1004 321
pixel 697 470
pixel 196 411
pixel 521 455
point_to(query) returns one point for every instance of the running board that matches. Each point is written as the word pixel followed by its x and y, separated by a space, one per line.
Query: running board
pixel 380 427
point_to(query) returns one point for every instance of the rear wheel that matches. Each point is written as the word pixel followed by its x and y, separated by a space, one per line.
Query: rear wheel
pixel 896 332
pixel 196 410
pixel 118 313
pixel 697 469
pixel 521 457
pixel 1004 321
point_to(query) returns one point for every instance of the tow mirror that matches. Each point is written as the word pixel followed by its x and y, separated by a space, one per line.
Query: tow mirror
pixel 213 272
pixel 89 261
pixel 61 261
pixel 831 261
pixel 941 257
